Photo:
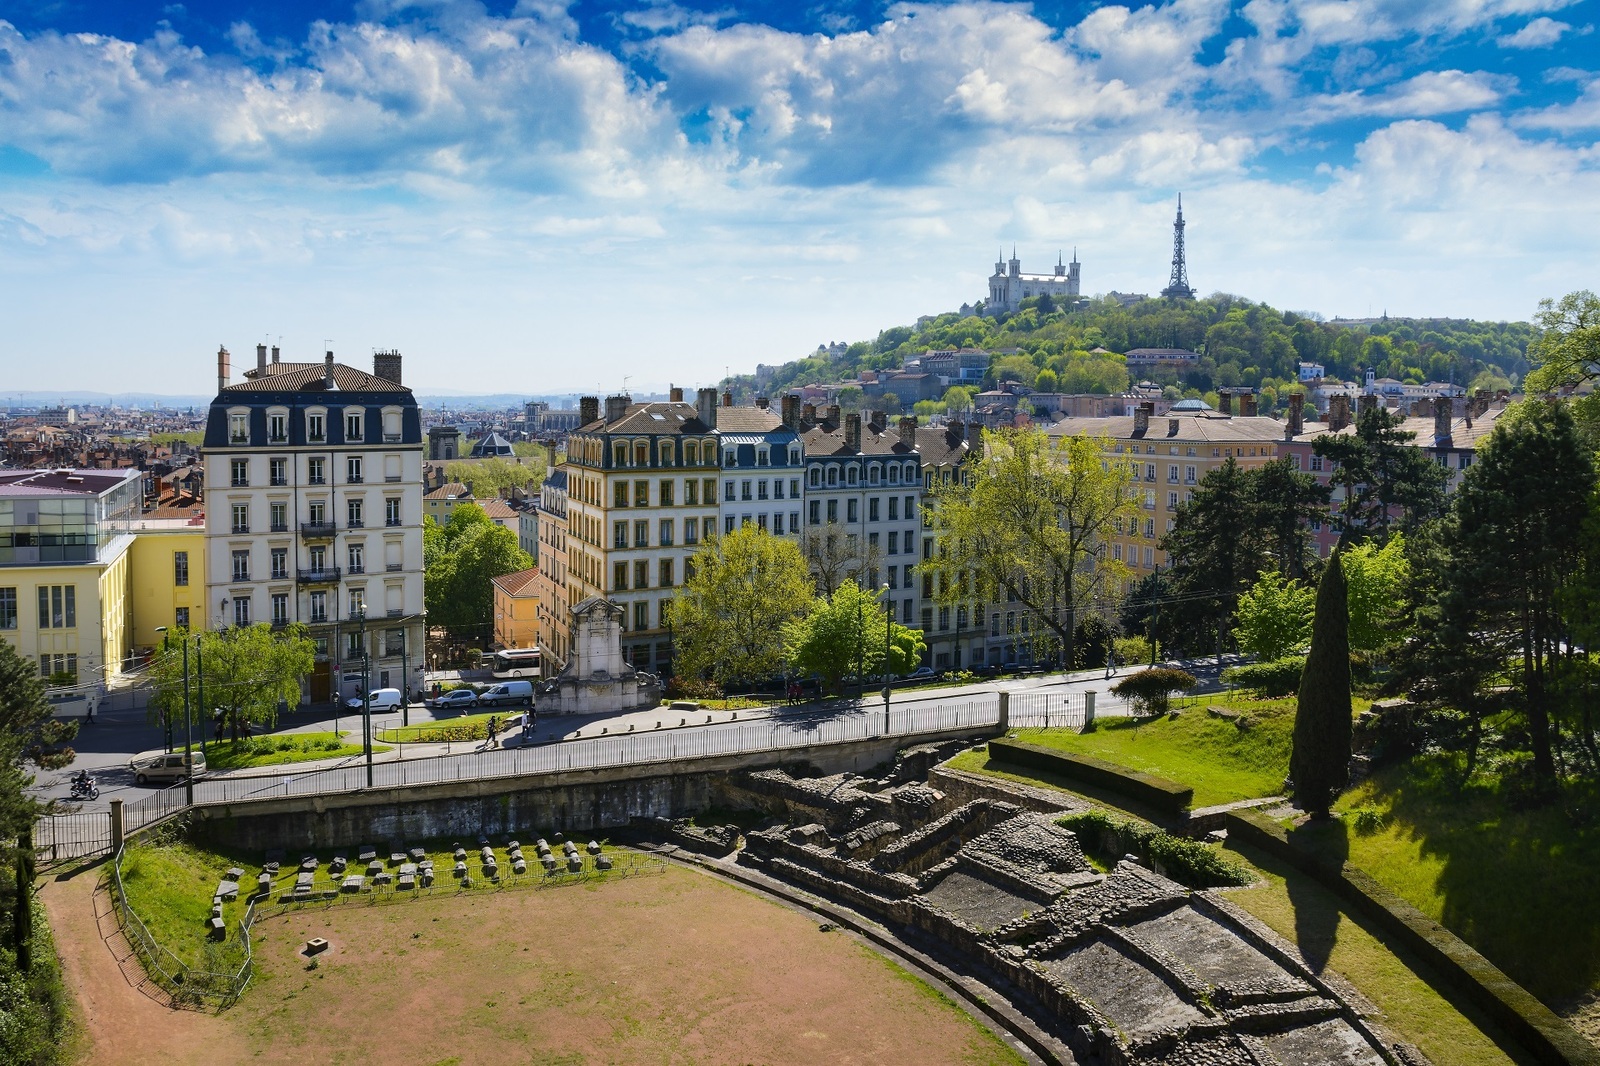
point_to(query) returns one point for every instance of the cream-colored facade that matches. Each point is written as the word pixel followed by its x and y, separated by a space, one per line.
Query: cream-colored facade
pixel 516 608
pixel 1171 455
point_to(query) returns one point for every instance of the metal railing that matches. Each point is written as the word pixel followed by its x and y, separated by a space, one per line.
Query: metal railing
pixel 75 835
pixel 1048 710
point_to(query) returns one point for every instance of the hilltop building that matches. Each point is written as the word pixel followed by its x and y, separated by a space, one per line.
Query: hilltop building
pixel 1009 286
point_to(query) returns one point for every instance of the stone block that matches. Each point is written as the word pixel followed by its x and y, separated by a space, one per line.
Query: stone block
pixel 594 847
pixel 353 883
pixel 233 874
pixel 217 930
pixel 367 853
pixel 316 945
pixel 575 864
pixel 602 862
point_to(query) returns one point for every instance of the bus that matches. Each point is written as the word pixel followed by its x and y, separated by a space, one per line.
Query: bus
pixel 516 662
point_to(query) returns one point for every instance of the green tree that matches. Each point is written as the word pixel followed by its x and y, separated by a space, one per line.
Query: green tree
pixel 1513 540
pixel 1047 381
pixel 845 633
pixel 496 475
pixel 1284 502
pixel 1567 350
pixel 834 554
pixel 1274 616
pixel 460 560
pixel 1029 525
pixel 1215 550
pixel 29 734
pixel 1380 472
pixel 1377 576
pixel 1319 762
pixel 741 591
pixel 248 671
pixel 890 404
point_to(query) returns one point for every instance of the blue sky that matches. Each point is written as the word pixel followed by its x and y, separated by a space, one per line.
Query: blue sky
pixel 530 196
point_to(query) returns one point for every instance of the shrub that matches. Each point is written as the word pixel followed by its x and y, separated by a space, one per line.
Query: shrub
pixel 692 688
pixel 1189 862
pixel 1280 677
pixel 1149 690
pixel 1368 820
pixel 1132 651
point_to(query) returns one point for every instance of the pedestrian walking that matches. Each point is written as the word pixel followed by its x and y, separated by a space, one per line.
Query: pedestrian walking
pixel 493 724
pixel 1111 663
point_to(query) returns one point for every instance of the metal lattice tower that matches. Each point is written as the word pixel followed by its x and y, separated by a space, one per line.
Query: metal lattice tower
pixel 1178 288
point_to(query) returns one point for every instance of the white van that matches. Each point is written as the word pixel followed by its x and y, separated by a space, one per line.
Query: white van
pixel 381 700
pixel 515 692
pixel 165 766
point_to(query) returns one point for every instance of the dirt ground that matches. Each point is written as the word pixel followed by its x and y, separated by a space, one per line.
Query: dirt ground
pixel 677 967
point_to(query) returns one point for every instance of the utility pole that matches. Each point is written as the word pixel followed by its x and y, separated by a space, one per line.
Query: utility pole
pixel 366 691
pixel 405 683
pixel 200 671
pixel 188 735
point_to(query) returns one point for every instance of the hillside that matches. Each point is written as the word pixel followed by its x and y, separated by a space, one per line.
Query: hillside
pixel 1241 343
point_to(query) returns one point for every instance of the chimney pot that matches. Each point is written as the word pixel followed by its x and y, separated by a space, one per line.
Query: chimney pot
pixel 223 370
pixel 274 353
pixel 1225 402
pixel 588 410
pixel 676 394
pixel 1297 414
pixel 852 432
pixel 908 431
pixel 727 397
pixel 386 365
pixel 706 406
pixel 762 402
pixel 261 358
pixel 1141 417
pixel 616 407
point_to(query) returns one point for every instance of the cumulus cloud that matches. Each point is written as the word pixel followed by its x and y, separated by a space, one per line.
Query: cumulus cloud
pixel 1542 32
pixel 1432 93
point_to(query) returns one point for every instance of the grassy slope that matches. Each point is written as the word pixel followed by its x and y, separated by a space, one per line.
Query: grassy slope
pixel 1518 885
pixel 1221 761
pixel 169 887
pixel 1303 912
pixel 465 727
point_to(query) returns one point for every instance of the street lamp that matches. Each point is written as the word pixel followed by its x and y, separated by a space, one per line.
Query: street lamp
pixel 360 615
pixel 166 717
pixel 888 624
pixel 188 742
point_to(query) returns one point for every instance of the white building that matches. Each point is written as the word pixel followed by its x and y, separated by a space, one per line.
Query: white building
pixel 314 490
pixel 1009 286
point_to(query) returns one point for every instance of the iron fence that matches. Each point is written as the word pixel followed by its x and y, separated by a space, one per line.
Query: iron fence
pixel 76 835
pixel 1048 710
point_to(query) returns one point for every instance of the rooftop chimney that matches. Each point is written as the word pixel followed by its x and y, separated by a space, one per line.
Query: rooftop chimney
pixel 1367 402
pixel 1247 404
pixel 675 394
pixel 1141 417
pixel 327 370
pixel 957 430
pixel 975 438
pixel 261 359
pixel 762 402
pixel 223 372
pixel 727 397
pixel 1225 402
pixel 908 431
pixel 879 418
pixel 1297 415
pixel 705 404
pixel 852 432
pixel 833 414
pixel 790 405
pixel 1441 422
pixel 550 454
pixel 588 410
pixel 386 365
pixel 808 414
pixel 274 354
pixel 1172 427
pixel 1338 412
pixel 616 407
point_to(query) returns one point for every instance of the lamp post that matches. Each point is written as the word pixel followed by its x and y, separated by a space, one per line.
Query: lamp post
pixel 188 743
pixel 366 690
pixel 200 673
pixel 166 717
pixel 888 624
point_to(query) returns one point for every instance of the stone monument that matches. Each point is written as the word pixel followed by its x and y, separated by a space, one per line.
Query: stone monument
pixel 596 679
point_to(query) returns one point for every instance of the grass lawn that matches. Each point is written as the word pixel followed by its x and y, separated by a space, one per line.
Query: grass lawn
pixel 281 748
pixel 169 887
pixel 1518 885
pixel 466 727
pixel 1218 759
pixel 1305 913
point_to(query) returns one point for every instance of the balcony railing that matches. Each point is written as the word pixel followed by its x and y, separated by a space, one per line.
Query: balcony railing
pixel 317 529
pixel 278 527
pixel 355 523
pixel 396 612
pixel 326 575
pixel 241 527
pixel 391 438
pixel 392 522
pixel 356 479
pixel 357 568
pixel 392 479
pixel 393 567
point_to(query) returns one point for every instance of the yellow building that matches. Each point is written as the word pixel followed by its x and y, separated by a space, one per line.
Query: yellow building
pixel 65 569
pixel 169 578
pixel 1170 456
pixel 441 503
pixel 516 609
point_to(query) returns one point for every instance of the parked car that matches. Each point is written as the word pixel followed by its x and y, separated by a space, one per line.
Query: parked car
pixel 922 673
pixel 514 692
pixel 455 700
pixel 165 766
pixel 379 699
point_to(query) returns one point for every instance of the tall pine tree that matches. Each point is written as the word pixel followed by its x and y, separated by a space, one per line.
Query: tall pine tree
pixel 1319 766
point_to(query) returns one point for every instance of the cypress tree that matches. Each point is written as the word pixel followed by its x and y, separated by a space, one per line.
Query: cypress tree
pixel 1319 765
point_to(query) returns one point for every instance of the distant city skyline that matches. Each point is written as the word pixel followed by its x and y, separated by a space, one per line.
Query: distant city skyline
pixel 561 198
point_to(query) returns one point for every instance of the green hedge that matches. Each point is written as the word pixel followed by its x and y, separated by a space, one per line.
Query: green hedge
pixel 1149 690
pixel 1153 791
pixel 1281 677
pixel 1539 1029
pixel 1189 862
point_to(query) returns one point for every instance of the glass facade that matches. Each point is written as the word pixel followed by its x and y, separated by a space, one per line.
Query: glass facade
pixel 64 529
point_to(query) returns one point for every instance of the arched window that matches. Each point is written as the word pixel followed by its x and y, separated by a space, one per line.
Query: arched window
pixel 619 453
pixel 816 477
pixel 894 474
pixel 664 450
pixel 641 453
pixel 872 474
pixel 691 452
pixel 833 475
pixel 851 475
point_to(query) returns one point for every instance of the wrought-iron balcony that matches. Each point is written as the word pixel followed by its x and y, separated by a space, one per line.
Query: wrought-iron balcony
pixel 318 529
pixel 327 575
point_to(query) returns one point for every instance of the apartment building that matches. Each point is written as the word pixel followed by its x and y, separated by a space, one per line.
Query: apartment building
pixel 168 578
pixel 642 492
pixel 314 492
pixel 762 469
pixel 1170 456
pixel 516 609
pixel 551 615
pixel 863 489
pixel 65 568
pixel 953 631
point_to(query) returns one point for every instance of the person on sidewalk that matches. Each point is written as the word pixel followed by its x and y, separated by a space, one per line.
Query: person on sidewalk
pixel 493 725
pixel 1111 663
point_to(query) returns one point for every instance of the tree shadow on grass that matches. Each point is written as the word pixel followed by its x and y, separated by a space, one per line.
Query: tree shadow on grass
pixel 1517 878
pixel 1316 915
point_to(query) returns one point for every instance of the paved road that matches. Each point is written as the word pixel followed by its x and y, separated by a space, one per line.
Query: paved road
pixel 122 728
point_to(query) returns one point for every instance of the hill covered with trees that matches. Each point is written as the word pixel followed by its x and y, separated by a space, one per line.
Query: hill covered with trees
pixel 1051 348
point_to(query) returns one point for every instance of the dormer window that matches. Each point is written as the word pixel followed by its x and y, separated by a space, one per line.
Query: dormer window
pixel 316 427
pixel 872 474
pixel 352 426
pixel 794 455
pixel 238 427
pixel 278 427
pixel 763 456
pixel 391 425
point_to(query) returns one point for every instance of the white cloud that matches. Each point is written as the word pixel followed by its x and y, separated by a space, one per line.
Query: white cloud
pixel 1582 114
pixel 1542 32
pixel 1432 93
